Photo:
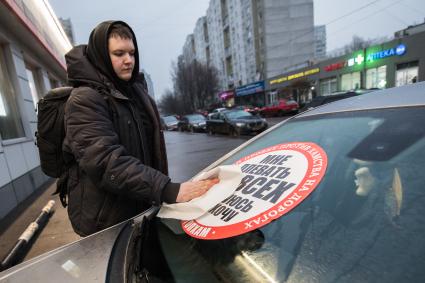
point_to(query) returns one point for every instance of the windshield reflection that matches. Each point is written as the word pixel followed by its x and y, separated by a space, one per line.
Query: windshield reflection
pixel 364 222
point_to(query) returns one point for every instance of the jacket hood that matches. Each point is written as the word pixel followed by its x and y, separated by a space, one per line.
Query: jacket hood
pixel 91 63
pixel 80 70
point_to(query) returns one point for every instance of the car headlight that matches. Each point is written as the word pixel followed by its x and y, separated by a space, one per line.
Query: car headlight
pixel 264 120
pixel 240 124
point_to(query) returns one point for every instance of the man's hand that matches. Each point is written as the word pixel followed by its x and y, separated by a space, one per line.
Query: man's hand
pixel 190 190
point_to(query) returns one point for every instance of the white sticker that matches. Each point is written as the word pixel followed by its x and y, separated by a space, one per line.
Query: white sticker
pixel 275 180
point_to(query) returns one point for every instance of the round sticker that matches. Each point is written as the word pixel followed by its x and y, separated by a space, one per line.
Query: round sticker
pixel 275 180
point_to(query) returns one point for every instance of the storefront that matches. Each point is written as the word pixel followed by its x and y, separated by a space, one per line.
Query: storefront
pixel 397 62
pixel 32 49
pixel 227 98
pixel 299 85
pixel 251 94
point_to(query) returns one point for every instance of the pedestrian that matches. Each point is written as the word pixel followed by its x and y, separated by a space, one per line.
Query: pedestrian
pixel 113 134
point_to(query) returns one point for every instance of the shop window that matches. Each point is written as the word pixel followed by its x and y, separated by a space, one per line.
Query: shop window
pixel 407 73
pixel 32 77
pixel 10 120
pixel 350 81
pixel 328 86
pixel 376 77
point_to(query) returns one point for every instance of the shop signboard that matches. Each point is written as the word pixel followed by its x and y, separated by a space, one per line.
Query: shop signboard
pixel 294 76
pixel 226 95
pixel 250 89
pixel 399 50
pixel 373 54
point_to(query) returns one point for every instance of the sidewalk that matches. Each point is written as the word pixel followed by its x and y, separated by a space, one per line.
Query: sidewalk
pixel 56 233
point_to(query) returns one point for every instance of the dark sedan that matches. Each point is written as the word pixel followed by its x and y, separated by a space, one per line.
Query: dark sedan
pixel 235 123
pixel 169 123
pixel 320 100
pixel 192 123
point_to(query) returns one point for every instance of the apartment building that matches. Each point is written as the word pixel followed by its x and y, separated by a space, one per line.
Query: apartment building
pixel 248 41
pixel 319 42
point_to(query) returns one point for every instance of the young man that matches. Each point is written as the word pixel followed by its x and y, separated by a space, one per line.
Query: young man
pixel 113 133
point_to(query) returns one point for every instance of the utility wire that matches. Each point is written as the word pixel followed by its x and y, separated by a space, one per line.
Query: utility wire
pixel 335 20
pixel 366 17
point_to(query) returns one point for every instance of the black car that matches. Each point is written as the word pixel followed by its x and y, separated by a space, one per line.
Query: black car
pixel 169 123
pixel 235 123
pixel 324 99
pixel 192 123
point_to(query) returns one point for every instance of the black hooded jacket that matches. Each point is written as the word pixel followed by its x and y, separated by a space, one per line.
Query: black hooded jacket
pixel 112 179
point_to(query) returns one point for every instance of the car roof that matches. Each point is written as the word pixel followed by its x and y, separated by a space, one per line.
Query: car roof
pixel 404 96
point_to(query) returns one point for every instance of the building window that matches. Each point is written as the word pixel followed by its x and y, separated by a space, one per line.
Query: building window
pixel 31 75
pixel 407 73
pixel 53 83
pixel 10 120
pixel 350 81
pixel 328 86
pixel 376 77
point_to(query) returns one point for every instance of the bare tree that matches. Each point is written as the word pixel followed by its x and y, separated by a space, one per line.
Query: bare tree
pixel 169 103
pixel 357 43
pixel 195 84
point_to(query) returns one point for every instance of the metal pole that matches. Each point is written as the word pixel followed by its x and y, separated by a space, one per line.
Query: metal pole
pixel 15 254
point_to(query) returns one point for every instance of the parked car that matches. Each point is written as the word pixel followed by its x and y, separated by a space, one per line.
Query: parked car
pixel 217 110
pixel 279 108
pixel 320 100
pixel 334 194
pixel 169 123
pixel 192 123
pixel 248 108
pixel 235 123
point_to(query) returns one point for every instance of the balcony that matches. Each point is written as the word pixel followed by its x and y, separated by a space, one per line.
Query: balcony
pixel 225 21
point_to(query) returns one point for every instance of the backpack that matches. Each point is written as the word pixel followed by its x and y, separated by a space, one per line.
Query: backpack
pixel 51 131
pixel 50 136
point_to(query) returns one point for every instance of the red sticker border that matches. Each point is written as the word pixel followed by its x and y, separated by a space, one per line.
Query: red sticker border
pixel 317 163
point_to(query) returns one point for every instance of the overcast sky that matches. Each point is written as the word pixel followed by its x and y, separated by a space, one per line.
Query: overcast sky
pixel 161 26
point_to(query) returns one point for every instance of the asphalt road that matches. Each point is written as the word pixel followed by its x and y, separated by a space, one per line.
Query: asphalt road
pixel 189 153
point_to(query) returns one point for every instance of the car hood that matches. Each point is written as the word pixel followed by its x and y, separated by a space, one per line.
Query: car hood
pixel 197 121
pixel 83 261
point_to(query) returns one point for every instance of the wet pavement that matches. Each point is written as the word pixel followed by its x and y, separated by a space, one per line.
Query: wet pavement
pixel 189 153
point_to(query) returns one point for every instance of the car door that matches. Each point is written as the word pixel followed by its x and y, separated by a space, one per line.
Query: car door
pixel 185 123
pixel 213 123
pixel 223 124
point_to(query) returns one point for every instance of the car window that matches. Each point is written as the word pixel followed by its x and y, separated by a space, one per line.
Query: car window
pixel 238 114
pixel 170 119
pixel 364 222
pixel 195 117
pixel 214 116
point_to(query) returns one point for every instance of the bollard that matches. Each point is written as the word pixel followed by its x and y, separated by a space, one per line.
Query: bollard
pixel 16 253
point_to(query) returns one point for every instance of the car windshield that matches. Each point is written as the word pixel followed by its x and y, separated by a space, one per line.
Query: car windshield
pixel 364 221
pixel 195 117
pixel 237 114
pixel 170 119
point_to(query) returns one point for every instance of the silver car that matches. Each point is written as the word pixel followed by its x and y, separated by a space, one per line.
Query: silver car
pixel 335 194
